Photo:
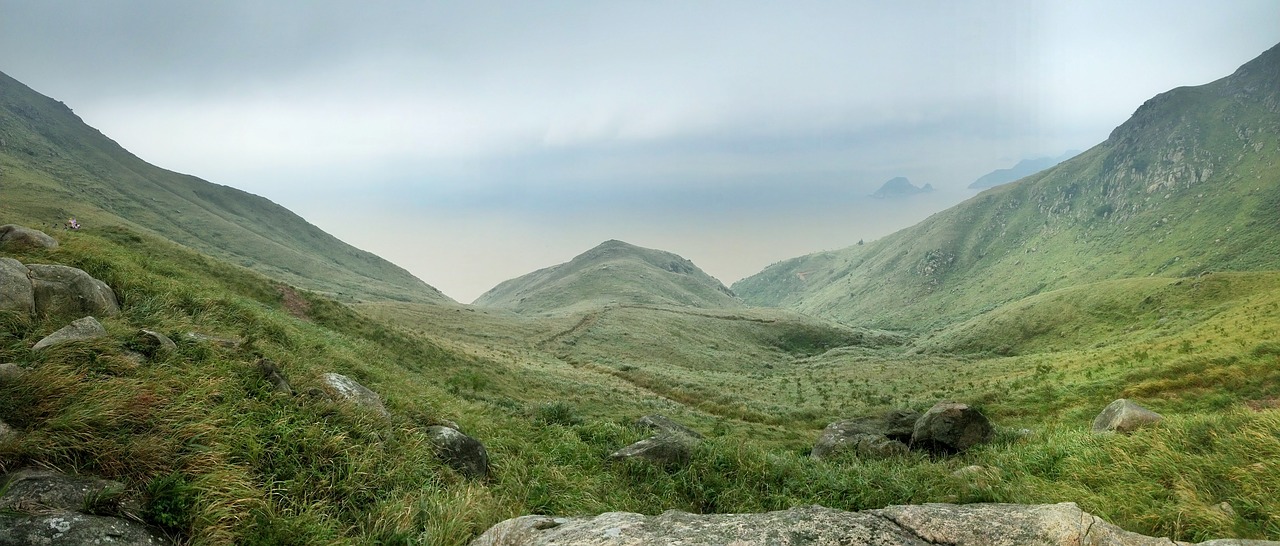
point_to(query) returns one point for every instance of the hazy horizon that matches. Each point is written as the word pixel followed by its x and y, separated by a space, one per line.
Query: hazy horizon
pixel 475 142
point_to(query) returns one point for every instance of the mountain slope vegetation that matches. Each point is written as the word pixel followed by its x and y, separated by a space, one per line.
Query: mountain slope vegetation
pixel 53 167
pixel 1189 184
pixel 612 272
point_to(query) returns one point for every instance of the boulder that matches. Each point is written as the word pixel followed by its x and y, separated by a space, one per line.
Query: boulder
pixel 461 452
pixel 63 290
pixel 346 389
pixel 15 237
pixel 951 427
pixel 83 329
pixel 5 430
pixel 1124 416
pixel 43 507
pixel 661 424
pixel 15 287
pixel 921 525
pixel 663 449
pixel 870 435
pixel 154 344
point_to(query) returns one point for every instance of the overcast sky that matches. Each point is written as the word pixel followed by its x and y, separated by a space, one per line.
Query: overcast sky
pixel 471 142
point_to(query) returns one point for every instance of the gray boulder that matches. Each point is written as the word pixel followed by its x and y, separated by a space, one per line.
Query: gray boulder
pixel 345 389
pixel 951 427
pixel 664 449
pixel 62 290
pixel 154 344
pixel 881 435
pixel 83 329
pixel 922 525
pixel 43 507
pixel 461 452
pixel 15 287
pixel 1125 416
pixel 15 237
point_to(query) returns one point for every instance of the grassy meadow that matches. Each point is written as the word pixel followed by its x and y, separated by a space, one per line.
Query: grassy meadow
pixel 217 457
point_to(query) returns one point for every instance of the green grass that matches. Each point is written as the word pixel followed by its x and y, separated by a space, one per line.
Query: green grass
pixel 219 458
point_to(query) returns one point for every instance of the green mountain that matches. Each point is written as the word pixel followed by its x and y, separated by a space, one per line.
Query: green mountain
pixel 1188 185
pixel 1026 167
pixel 613 272
pixel 53 167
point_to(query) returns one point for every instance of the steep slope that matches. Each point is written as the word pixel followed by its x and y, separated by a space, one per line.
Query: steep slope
pixel 613 272
pixel 1188 184
pixel 53 166
pixel 1026 167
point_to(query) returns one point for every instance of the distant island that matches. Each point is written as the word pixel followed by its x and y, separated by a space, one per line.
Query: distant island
pixel 900 187
pixel 1024 168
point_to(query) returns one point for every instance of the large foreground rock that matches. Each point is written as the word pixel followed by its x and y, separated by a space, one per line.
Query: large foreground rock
pixel 870 435
pixel 83 329
pixel 1124 416
pixel 951 427
pixel 15 287
pixel 48 508
pixel 923 525
pixel 63 290
pixel 15 237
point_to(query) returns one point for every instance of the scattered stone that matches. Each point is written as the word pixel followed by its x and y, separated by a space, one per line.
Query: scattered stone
pixel 15 237
pixel 63 290
pixel 154 344
pixel 921 525
pixel 1125 416
pixel 346 389
pixel 15 287
pixel 951 427
pixel 660 424
pixel 84 329
pixel 9 372
pixel 272 374
pixel 870 435
pixel 1225 509
pixel 5 430
pixel 461 452
pixel 225 342
pixel 31 489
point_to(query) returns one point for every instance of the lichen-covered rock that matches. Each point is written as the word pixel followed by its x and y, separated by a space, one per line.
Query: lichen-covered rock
pixel 83 329
pixel 880 435
pixel 15 287
pixel 346 389
pixel 461 452
pixel 63 290
pixel 15 237
pixel 50 508
pixel 65 528
pixel 154 344
pixel 919 525
pixel 951 427
pixel 1124 416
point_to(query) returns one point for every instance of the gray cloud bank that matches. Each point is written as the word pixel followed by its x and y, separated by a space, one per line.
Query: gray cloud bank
pixel 579 120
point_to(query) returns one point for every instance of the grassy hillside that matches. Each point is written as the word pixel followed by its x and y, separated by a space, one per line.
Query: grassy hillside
pixel 219 458
pixel 53 167
pixel 1189 184
pixel 613 272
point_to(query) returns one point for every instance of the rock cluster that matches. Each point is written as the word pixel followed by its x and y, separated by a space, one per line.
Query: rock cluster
pixel 947 427
pixel 42 289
